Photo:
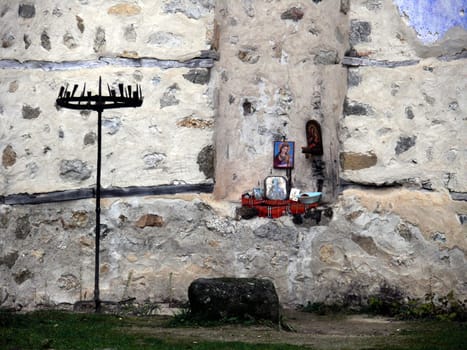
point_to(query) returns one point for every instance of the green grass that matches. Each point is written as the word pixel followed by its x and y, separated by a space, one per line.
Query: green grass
pixel 64 330
pixel 430 335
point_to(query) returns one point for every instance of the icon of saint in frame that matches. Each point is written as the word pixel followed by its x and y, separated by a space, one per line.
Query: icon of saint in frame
pixel 284 152
pixel 276 187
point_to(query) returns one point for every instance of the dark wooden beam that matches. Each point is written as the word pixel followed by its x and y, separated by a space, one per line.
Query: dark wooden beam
pixel 48 197
pixel 204 59
pixel 84 193
pixel 156 190
pixel 364 61
pixel 462 54
pixel 459 196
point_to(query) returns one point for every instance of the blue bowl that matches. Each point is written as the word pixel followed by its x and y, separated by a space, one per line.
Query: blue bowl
pixel 309 197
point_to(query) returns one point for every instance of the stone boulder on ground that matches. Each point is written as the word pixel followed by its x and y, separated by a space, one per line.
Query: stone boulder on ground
pixel 242 298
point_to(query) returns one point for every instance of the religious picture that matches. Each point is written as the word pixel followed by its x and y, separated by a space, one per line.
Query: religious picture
pixel 276 187
pixel 284 154
pixel 258 193
pixel 294 194
pixel 313 139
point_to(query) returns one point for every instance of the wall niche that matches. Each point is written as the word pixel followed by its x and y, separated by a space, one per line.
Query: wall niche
pixel 291 90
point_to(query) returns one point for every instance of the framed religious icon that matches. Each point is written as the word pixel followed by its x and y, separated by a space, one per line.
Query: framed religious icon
pixel 284 152
pixel 276 187
pixel 258 193
pixel 294 194
pixel 314 139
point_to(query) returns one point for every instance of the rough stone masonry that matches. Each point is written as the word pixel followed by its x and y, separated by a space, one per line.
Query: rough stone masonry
pixel 221 81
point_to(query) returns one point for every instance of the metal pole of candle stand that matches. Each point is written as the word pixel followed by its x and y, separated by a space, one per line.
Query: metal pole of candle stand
pixel 99 109
pixel 289 179
pixel 98 103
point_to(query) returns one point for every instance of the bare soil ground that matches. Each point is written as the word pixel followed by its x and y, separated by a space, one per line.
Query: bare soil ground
pixel 319 332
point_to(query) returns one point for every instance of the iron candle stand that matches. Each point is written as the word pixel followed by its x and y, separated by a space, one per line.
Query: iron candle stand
pixel 123 98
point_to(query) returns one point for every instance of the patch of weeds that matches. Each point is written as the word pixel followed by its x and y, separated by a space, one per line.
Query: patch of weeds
pixel 181 319
pixel 185 318
pixel 321 308
pixel 447 308
pixel 391 302
pixel 286 326
pixel 387 302
pixel 132 308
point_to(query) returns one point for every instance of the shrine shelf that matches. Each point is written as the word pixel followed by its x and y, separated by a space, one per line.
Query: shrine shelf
pixel 276 208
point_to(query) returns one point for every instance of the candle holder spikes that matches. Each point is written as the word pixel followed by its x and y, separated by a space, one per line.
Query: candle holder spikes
pixel 127 98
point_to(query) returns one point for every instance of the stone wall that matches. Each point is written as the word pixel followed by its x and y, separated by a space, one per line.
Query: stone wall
pixel 402 135
pixel 47 45
pixel 404 113
pixel 152 249
pixel 222 80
